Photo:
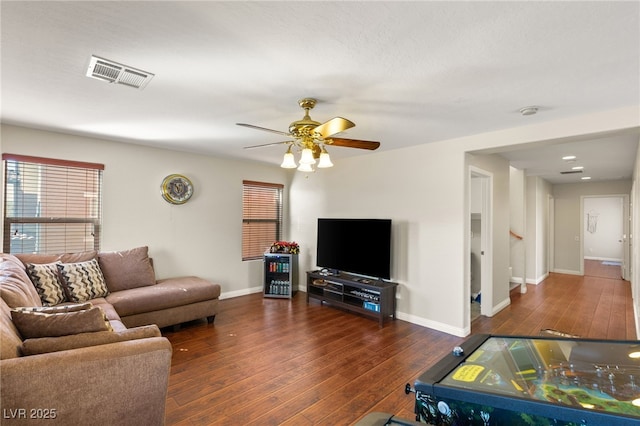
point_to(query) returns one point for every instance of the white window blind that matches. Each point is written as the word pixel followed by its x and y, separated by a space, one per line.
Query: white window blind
pixel 261 217
pixel 51 206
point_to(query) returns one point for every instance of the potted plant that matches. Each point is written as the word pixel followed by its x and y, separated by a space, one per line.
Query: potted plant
pixel 285 247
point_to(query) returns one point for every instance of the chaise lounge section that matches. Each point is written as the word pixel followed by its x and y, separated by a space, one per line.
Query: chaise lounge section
pixel 132 294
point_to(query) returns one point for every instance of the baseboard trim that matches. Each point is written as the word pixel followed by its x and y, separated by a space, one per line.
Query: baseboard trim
pixel 500 306
pixel 238 293
pixel 566 271
pixel 434 325
pixel 604 259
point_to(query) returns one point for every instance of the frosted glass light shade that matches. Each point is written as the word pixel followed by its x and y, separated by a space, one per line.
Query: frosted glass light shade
pixel 307 157
pixel 288 162
pixel 325 160
pixel 305 167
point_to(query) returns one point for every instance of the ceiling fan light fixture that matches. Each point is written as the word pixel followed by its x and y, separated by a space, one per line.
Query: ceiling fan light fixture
pixel 288 162
pixel 307 157
pixel 305 168
pixel 325 160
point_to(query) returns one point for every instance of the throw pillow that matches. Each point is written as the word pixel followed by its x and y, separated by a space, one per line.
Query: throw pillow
pixel 37 324
pixel 127 269
pixel 74 307
pixel 84 280
pixel 63 343
pixel 46 280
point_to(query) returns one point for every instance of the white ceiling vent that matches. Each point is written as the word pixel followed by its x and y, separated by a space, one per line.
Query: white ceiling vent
pixel 113 72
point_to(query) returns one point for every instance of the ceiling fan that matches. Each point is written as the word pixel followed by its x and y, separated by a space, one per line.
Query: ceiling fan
pixel 311 137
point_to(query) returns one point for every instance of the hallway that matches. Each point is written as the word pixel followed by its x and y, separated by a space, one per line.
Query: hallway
pixel 598 305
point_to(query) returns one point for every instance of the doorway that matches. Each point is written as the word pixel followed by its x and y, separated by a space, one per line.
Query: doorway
pixel 605 230
pixel 481 262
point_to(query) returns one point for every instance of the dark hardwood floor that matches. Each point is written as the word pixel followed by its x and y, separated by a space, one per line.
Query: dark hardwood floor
pixel 283 362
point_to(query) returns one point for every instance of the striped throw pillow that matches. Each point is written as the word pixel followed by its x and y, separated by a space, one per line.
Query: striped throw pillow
pixel 83 280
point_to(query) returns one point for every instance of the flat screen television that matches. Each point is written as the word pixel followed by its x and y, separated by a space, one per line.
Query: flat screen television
pixel 356 246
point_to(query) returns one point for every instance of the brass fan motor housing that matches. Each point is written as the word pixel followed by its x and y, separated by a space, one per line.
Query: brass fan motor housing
pixel 303 128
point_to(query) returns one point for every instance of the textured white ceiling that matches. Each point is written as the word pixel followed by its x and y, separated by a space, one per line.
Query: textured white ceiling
pixel 405 72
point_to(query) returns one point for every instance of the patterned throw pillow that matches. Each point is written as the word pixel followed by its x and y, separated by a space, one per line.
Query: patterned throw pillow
pixel 84 280
pixel 55 309
pixel 46 280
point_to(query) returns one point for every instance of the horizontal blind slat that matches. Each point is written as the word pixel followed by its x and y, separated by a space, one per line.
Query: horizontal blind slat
pixel 52 206
pixel 261 217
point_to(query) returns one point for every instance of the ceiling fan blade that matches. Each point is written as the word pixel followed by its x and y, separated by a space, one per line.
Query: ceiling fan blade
pixel 353 143
pixel 251 126
pixel 268 144
pixel 333 126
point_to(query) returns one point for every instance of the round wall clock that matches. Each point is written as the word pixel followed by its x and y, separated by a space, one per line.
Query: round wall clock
pixel 176 189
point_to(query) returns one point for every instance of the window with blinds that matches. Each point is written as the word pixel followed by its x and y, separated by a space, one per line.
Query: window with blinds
pixel 261 217
pixel 51 206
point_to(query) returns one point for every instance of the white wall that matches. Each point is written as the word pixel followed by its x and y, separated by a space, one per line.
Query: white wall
pixel 425 200
pixel 538 192
pixel 498 167
pixel 517 223
pixel 201 237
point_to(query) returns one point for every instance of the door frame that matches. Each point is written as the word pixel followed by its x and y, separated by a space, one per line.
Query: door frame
pixel 626 219
pixel 486 238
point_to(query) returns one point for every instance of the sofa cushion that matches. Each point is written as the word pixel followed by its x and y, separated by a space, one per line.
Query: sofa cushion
pixel 46 279
pixel 15 286
pixel 108 309
pixel 62 343
pixel 127 269
pixel 82 256
pixel 167 293
pixel 32 324
pixel 83 280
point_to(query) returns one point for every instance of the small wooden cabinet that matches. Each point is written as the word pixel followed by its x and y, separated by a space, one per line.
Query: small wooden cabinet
pixel 280 275
pixel 365 296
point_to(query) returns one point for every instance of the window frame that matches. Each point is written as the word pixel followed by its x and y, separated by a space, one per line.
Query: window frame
pixel 42 163
pixel 277 219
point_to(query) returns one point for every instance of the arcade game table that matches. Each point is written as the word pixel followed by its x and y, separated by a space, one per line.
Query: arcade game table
pixel 511 380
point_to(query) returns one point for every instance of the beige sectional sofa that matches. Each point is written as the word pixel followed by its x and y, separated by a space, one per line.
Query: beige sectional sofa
pixel 97 356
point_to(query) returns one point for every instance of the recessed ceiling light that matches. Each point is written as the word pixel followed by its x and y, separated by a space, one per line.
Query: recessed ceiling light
pixel 577 168
pixel 586 178
pixel 530 110
pixel 569 157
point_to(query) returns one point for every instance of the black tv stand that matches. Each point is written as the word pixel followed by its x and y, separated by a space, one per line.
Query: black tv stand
pixel 375 298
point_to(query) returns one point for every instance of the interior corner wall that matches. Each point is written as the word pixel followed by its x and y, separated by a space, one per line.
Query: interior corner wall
pixel 423 198
pixel 201 237
pixel 517 224
pixel 537 196
pixel 499 168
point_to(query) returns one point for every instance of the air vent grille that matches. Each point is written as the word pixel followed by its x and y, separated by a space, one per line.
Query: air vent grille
pixel 113 72
pixel 570 172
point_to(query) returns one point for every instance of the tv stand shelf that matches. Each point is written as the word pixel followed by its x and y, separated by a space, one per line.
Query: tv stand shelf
pixel 356 294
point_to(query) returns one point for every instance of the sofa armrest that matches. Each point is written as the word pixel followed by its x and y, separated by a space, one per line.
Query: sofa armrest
pixel 120 383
